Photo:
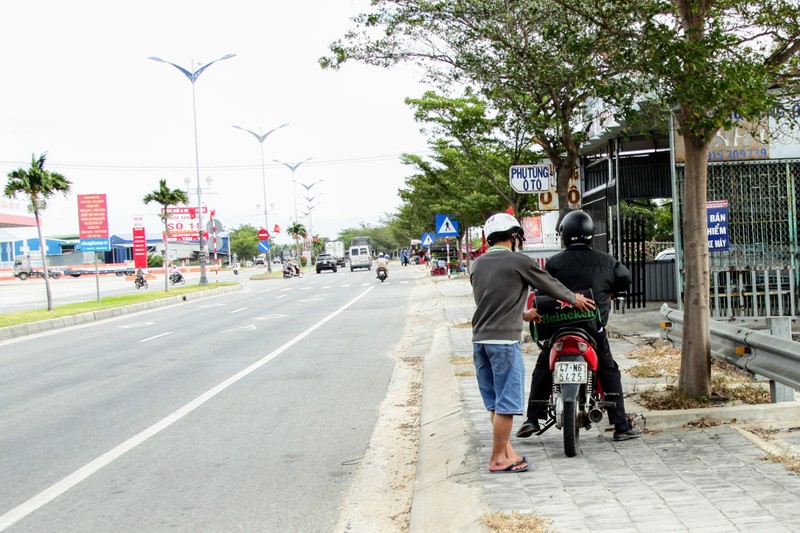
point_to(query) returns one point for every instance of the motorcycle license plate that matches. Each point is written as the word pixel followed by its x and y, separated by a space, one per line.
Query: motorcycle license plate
pixel 571 372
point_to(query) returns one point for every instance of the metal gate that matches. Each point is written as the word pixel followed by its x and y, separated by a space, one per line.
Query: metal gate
pixel 632 255
pixel 758 276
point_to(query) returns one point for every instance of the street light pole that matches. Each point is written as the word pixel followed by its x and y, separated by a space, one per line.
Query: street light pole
pixel 294 183
pixel 192 75
pixel 261 139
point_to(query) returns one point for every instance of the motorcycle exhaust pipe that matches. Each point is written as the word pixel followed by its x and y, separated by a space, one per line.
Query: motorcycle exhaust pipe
pixel 595 415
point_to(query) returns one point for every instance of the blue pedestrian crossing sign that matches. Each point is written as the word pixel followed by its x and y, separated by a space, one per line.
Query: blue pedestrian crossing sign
pixel 263 246
pixel 428 239
pixel 446 226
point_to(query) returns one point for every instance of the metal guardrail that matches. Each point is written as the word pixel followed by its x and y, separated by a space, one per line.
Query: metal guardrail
pixel 771 355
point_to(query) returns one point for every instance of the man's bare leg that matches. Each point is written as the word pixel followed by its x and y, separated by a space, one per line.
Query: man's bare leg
pixel 503 454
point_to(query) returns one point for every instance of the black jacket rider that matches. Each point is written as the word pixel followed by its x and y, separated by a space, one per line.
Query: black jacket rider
pixel 579 267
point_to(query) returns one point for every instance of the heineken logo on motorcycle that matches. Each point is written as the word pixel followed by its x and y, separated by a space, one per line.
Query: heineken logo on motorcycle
pixel 569 316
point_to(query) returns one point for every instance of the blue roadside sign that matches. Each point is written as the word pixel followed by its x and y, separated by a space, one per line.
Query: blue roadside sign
pixel 717 220
pixel 428 239
pixel 95 245
pixel 263 246
pixel 446 226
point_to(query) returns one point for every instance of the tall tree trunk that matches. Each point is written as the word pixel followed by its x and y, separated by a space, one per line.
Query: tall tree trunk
pixel 43 250
pixel 166 257
pixel 695 374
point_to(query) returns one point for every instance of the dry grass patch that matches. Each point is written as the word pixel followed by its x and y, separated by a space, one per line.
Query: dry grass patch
pixel 789 461
pixel 704 422
pixel 461 360
pixel 517 523
pixel 463 325
pixel 729 385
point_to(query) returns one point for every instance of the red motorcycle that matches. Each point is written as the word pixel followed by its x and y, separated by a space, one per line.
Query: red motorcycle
pixel 382 274
pixel 576 399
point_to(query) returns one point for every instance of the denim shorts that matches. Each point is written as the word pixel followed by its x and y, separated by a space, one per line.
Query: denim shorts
pixel 501 376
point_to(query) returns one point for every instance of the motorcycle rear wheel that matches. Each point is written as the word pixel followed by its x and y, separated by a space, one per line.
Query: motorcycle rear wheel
pixel 572 429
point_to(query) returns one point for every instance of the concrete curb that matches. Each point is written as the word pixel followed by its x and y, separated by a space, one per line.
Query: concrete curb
pixel 782 414
pixel 448 495
pixel 32 328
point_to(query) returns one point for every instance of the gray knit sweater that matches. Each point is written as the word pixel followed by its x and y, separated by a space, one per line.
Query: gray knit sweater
pixel 501 280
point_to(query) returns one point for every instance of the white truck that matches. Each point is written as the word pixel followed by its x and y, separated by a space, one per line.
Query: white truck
pixel 26 267
pixel 336 249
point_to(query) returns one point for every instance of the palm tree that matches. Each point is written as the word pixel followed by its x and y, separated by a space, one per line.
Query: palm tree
pixel 166 197
pixel 298 231
pixel 39 185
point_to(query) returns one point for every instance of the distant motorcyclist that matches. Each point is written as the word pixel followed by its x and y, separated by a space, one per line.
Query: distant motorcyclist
pixel 383 263
pixel 292 268
pixel 175 274
pixel 139 278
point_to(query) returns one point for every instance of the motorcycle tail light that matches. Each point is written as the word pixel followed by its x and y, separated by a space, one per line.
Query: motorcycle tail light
pixel 582 346
pixel 559 346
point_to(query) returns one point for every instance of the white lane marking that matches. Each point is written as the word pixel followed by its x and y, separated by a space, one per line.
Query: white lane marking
pixel 269 317
pixel 213 305
pixel 266 290
pixel 312 300
pixel 137 325
pixel 281 296
pixel 305 288
pixel 251 327
pixel 346 285
pixel 156 336
pixel 403 282
pixel 327 286
pixel 287 289
pixel 60 487
pixel 237 310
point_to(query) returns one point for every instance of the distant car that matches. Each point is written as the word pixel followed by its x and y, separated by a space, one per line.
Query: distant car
pixel 325 262
pixel 666 255
pixel 259 261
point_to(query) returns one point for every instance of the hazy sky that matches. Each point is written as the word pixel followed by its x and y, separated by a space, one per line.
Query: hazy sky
pixel 77 83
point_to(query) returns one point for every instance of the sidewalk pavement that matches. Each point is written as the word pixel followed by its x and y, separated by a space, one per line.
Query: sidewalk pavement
pixel 675 478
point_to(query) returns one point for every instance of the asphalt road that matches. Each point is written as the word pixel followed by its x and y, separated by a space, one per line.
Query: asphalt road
pixel 248 411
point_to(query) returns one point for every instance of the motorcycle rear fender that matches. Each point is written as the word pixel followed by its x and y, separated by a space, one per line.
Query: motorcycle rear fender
pixel 570 391
pixel 590 356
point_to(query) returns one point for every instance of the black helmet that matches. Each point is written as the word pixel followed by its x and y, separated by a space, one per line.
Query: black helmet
pixel 576 228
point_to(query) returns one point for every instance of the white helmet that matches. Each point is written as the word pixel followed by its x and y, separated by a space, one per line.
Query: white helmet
pixel 502 223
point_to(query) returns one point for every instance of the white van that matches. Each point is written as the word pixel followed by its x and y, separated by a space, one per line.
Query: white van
pixel 360 257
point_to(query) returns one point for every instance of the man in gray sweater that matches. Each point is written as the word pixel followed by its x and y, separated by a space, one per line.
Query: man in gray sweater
pixel 501 281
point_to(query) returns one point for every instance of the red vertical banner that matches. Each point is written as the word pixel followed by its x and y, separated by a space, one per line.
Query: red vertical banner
pixel 532 226
pixel 139 248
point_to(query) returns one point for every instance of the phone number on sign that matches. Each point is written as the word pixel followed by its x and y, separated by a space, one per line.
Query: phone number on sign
pixel 741 153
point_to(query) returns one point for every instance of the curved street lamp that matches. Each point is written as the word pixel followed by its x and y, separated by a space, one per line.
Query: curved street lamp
pixel 293 167
pixel 261 139
pixel 192 75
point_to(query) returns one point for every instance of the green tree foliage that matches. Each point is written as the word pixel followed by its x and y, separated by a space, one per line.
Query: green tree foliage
pixel 244 241
pixel 658 218
pixel 166 197
pixel 38 185
pixel 472 153
pixel 534 63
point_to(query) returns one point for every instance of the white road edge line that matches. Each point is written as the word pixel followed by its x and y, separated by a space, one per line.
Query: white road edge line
pixel 237 310
pixel 54 491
